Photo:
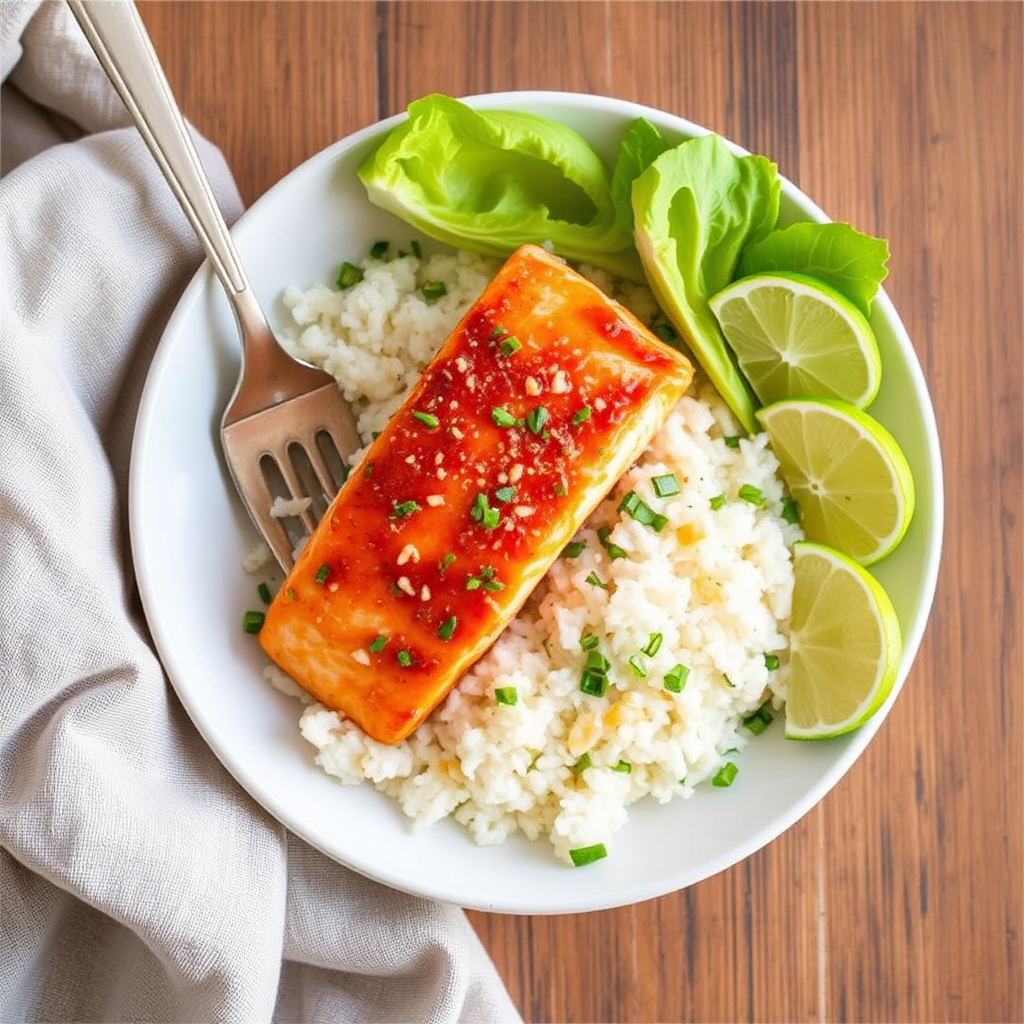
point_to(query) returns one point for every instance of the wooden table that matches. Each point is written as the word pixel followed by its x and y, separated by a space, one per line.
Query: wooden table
pixel 899 898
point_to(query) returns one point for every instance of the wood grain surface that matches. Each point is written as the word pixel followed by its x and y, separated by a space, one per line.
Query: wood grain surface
pixel 900 897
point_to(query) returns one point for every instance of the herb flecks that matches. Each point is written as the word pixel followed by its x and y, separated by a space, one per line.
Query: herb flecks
pixel 348 275
pixel 428 419
pixel 483 513
pixel 636 508
pixel 402 509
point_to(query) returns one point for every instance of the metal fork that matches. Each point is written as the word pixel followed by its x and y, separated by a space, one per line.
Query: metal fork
pixel 287 424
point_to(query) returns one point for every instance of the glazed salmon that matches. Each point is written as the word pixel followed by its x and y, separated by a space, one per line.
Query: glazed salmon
pixel 529 413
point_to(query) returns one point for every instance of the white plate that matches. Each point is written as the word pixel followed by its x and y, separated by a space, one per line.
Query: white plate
pixel 189 536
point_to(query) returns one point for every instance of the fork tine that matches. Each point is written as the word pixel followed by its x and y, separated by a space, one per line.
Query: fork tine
pixel 259 498
pixel 320 468
pixel 295 488
pixel 269 439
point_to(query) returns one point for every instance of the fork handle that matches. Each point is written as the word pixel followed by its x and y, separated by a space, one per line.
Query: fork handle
pixel 116 33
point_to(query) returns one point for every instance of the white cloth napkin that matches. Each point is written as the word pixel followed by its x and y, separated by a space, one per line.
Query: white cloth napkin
pixel 137 880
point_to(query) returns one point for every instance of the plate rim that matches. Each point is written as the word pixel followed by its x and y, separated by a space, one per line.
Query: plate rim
pixel 204 279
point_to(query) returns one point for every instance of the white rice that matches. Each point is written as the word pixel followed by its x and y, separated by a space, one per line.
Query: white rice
pixel 715 584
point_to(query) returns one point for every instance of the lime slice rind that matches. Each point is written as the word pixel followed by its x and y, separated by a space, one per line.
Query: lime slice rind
pixel 845 645
pixel 848 474
pixel 794 335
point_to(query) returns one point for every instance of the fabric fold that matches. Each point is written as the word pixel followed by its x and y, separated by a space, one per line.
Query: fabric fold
pixel 137 879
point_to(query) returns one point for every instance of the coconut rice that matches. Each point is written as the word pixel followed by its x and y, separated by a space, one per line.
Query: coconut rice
pixel 695 607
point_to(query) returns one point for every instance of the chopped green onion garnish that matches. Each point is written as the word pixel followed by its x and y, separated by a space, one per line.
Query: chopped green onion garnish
pixel 505 494
pixel 536 418
pixel 345 470
pixel 417 251
pixel 630 502
pixel 595 581
pixel 728 681
pixel 507 695
pixel 665 486
pixel 589 641
pixel 717 501
pixel 594 680
pixel 482 512
pixel 322 573
pixel 497 332
pixel 614 551
pixel 639 510
pixel 755 723
pixel 581 415
pixel 666 332
pixel 560 490
pixel 759 720
pixel 404 508
pixel 404 658
pixel 290 594
pixel 434 290
pixel 447 629
pixel 485 579
pixel 446 561
pixel 368 472
pixel 252 622
pixel 675 678
pixel 502 417
pixel 731 441
pixel 379 250
pixel 622 766
pixel 748 492
pixel 348 275
pixel 582 765
pixel 653 645
pixel 428 419
pixel 264 591
pixel 510 344
pixel 574 548
pixel 588 854
pixel 636 663
pixel 594 684
pixel 378 643
pixel 724 776
pixel 771 661
pixel 791 510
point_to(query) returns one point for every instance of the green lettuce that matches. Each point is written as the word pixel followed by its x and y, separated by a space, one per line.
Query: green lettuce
pixel 640 147
pixel 696 208
pixel 851 262
pixel 492 180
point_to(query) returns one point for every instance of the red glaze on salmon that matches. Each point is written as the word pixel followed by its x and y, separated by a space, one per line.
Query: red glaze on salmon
pixel 539 401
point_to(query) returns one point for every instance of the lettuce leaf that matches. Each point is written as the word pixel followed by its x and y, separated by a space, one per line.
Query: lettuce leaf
pixel 492 180
pixel 695 209
pixel 851 262
pixel 640 147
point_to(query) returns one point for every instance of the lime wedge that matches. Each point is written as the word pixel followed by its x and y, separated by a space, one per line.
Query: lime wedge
pixel 844 645
pixel 851 481
pixel 793 335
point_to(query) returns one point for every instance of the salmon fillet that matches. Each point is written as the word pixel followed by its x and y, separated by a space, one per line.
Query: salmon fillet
pixel 537 403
